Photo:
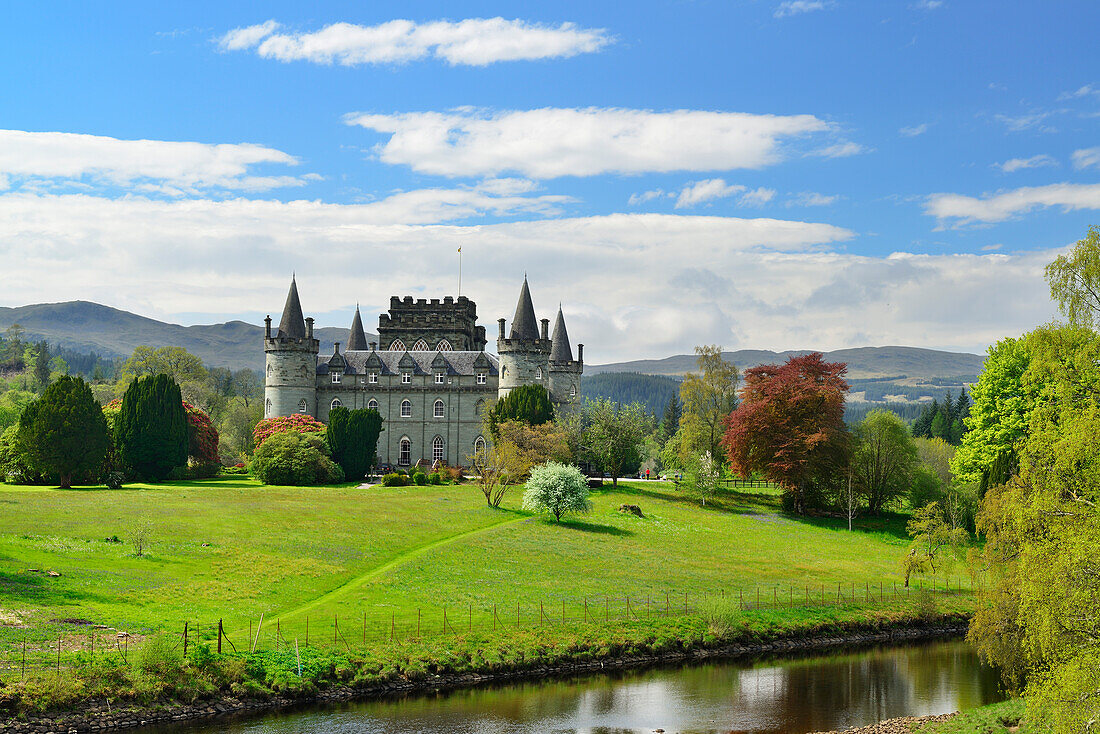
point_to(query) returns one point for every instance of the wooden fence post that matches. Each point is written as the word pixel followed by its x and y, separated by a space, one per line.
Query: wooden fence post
pixel 335 626
pixel 418 623
pixel 23 665
pixel 185 639
pixel 219 637
pixel 563 611
pixel 393 624
pixel 364 628
pixel 586 609
pixel 59 656
pixel 307 630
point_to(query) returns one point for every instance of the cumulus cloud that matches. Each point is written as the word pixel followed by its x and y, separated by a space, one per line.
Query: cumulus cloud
pixel 44 159
pixel 798 7
pixel 740 282
pixel 757 197
pixel 699 192
pixel 812 198
pixel 469 42
pixel 1017 164
pixel 636 199
pixel 842 149
pixel 553 142
pixel 1007 204
pixel 914 131
pixel 1086 158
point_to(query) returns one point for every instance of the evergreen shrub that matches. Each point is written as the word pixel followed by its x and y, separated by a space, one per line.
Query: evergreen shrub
pixel 396 479
pixel 295 459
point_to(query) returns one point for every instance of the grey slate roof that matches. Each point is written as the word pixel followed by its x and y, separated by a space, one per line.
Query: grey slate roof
pixel 421 363
pixel 357 339
pixel 524 323
pixel 292 325
pixel 561 351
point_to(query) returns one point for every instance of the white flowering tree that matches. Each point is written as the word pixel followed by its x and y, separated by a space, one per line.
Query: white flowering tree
pixel 558 489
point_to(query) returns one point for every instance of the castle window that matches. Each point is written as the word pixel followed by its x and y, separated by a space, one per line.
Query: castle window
pixel 439 377
pixel 335 378
pixel 335 403
pixel 372 404
pixel 397 346
pixel 270 370
pixel 406 409
pixel 268 407
pixel 438 449
pixel 478 407
pixel 301 406
pixel 481 379
pixel 573 391
pixel 373 377
pixel 479 445
pixel 404 451
pixel 420 346
pixel 444 346
pixel 406 378
pixel 538 373
pixel 503 371
pixel 438 409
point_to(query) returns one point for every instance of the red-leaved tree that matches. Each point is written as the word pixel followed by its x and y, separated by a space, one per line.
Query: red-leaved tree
pixel 789 426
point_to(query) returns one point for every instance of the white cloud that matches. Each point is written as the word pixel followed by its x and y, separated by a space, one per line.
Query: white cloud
pixel 700 192
pixel 1017 164
pixel 1086 158
pixel 992 248
pixel 812 198
pixel 470 42
pixel 914 131
pixel 928 4
pixel 797 7
pixel 45 159
pixel 1004 205
pixel 762 283
pixel 1032 120
pixel 636 199
pixel 1086 91
pixel 842 149
pixel 757 197
pixel 552 142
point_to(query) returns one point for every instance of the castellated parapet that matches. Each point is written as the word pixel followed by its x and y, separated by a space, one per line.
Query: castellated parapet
pixel 447 324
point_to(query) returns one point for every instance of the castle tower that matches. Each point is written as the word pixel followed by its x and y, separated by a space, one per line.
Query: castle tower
pixel 357 338
pixel 290 384
pixel 565 372
pixel 525 353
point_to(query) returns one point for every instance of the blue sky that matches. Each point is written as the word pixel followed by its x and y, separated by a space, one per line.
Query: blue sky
pixel 758 174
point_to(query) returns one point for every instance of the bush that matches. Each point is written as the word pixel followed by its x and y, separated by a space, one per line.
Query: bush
pixel 558 489
pixel 435 478
pixel 113 479
pixel 455 474
pixel 237 470
pixel 395 479
pixel 295 459
pixel 295 423
pixel 419 478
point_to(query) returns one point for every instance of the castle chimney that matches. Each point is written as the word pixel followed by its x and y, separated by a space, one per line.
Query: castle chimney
pixel 267 327
pixel 336 347
pixel 373 346
pixel 309 328
pixel 545 329
pixel 580 353
pixel 501 322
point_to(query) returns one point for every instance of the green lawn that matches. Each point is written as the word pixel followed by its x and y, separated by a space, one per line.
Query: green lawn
pixel 232 549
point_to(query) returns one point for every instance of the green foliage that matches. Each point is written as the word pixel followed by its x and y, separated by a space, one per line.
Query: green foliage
pixel 884 459
pixel 931 535
pixel 707 397
pixel 14 466
pixel 616 435
pixel 152 428
pixel 64 433
pixel 653 391
pixel 559 489
pixel 925 488
pixel 419 478
pixel 528 404
pixel 999 416
pixel 353 438
pixel 295 459
pixel 1075 281
pixel 395 480
pixel 704 474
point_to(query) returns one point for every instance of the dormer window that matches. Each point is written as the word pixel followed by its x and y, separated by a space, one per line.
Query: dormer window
pixel 439 377
pixel 373 377
pixel 335 378
pixel 406 378
pixel 481 378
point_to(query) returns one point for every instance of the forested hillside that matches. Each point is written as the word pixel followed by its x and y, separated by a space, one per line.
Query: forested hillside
pixel 653 391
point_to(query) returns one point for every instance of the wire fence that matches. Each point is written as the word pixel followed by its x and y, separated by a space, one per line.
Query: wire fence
pixel 77 643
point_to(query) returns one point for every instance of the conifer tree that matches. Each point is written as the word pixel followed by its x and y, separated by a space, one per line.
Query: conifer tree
pixel 152 427
pixel 42 365
pixel 353 439
pixel 528 404
pixel 64 433
pixel 670 422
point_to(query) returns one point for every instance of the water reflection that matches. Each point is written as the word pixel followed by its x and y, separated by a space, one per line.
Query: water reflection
pixel 790 695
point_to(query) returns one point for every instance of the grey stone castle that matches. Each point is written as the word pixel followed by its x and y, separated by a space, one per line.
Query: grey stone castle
pixel 429 375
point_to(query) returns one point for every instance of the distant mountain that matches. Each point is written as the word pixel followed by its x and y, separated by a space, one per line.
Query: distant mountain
pixel 630 387
pixel 912 363
pixel 90 327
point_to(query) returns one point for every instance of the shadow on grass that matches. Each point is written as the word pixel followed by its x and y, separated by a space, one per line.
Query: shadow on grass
pixel 737 503
pixel 591 527
pixel 892 524
pixel 39 589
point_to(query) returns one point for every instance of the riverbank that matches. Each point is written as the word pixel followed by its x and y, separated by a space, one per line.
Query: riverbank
pixel 102 713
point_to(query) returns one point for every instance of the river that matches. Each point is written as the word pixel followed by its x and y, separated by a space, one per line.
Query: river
pixel 803 694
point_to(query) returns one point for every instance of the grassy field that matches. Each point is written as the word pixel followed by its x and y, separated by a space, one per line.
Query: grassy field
pixel 232 549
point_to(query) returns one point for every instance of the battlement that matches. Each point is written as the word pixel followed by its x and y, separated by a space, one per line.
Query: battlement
pixel 435 321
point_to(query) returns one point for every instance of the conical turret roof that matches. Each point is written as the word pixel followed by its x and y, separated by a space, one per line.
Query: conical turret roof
pixel 357 339
pixel 524 324
pixel 561 351
pixel 293 324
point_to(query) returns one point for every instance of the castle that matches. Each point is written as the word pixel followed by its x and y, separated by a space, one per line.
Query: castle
pixel 429 375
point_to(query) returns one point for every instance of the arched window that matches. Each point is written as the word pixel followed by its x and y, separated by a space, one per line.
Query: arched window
pixel 267 407
pixel 270 370
pixel 538 373
pixel 372 404
pixel 397 346
pixel 573 391
pixel 478 407
pixel 479 444
pixel 404 451
pixel 302 406
pixel 503 371
pixel 444 346
pixel 438 409
pixel 439 451
pixel 335 403
pixel 406 409
pixel 420 346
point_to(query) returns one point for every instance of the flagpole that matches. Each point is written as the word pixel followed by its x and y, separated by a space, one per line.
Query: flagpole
pixel 460 272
